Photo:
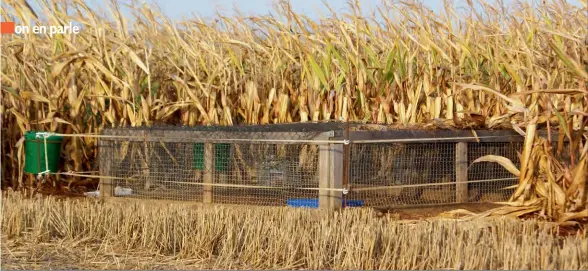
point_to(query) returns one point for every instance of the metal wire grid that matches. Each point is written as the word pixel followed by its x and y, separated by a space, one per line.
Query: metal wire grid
pixel 174 170
pixel 164 169
pixel 154 170
pixel 305 127
pixel 498 178
pixel 269 165
pixel 385 164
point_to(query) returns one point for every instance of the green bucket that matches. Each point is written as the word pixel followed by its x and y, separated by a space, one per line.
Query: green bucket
pixel 35 152
pixel 221 156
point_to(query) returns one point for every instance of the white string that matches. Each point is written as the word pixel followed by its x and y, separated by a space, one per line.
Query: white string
pixel 46 155
pixel 71 173
pixel 346 141
pixel 431 184
pixel 420 139
pixel 344 190
pixel 46 171
pixel 208 139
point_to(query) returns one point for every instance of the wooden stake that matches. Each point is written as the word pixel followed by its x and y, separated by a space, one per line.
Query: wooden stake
pixel 106 189
pixel 208 172
pixel 461 172
pixel 331 176
pixel 324 175
pixel 338 175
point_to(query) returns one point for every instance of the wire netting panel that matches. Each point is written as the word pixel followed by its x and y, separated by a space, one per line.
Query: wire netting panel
pixel 239 173
pixel 278 170
pixel 153 170
pixel 402 174
pixel 271 165
pixel 494 176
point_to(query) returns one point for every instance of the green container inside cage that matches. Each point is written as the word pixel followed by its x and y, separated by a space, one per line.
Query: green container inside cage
pixel 35 153
pixel 221 156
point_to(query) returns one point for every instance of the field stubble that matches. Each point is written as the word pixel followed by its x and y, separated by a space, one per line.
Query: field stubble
pixel 45 232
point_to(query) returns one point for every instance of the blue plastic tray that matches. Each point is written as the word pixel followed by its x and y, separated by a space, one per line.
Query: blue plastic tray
pixel 314 203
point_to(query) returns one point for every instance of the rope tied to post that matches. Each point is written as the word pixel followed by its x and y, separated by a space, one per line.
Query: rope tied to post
pixel 45 135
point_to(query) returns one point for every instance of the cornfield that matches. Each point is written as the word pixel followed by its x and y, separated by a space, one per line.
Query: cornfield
pixel 485 65
pixel 44 232
pixel 404 69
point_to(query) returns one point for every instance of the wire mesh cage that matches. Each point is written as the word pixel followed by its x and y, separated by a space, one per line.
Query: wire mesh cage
pixel 153 170
pixel 267 174
pixel 490 180
pixel 390 174
pixel 261 165
pixel 273 165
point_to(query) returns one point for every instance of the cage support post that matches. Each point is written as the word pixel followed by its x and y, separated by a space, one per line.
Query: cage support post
pixel 324 168
pixel 330 175
pixel 208 172
pixel 461 172
pixel 337 175
pixel 346 161
pixel 106 189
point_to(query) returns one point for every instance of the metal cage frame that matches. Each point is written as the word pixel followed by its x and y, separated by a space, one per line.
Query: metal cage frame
pixel 279 164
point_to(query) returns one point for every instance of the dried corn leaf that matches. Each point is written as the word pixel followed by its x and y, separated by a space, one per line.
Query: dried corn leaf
pixel 503 161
